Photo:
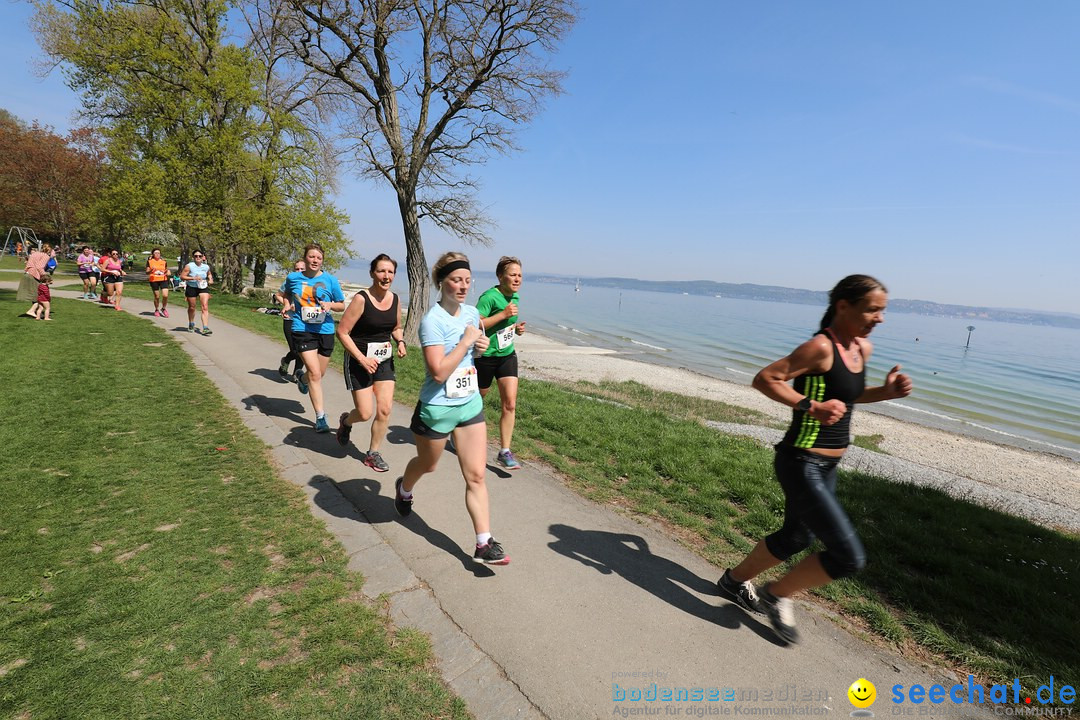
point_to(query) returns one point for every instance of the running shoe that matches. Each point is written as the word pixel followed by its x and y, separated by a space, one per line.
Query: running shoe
pixel 506 459
pixel 375 461
pixel 157 313
pixel 743 594
pixel 164 312
pixel 403 506
pixel 301 383
pixel 344 431
pixel 191 327
pixel 116 307
pixel 283 368
pixel 207 331
pixel 781 612
pixel 491 553
pixel 85 296
pixel 321 426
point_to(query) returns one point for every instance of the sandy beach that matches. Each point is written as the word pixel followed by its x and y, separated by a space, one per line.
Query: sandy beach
pixel 1044 488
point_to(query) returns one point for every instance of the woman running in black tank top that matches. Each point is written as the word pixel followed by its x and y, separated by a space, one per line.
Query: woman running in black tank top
pixel 828 373
pixel 371 333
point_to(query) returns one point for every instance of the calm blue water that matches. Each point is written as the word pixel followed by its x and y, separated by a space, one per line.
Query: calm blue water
pixel 1015 384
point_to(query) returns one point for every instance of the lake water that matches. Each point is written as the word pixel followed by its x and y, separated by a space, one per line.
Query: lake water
pixel 1014 384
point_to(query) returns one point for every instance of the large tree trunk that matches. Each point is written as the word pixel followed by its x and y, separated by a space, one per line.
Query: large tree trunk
pixel 415 267
pixel 233 272
pixel 259 271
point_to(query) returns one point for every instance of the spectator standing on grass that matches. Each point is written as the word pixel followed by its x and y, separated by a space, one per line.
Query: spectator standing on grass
pixel 35 268
pixel 370 331
pixel 311 296
pixel 42 309
pixel 828 376
pixel 199 278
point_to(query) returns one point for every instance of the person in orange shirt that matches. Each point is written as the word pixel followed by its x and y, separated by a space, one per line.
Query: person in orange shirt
pixel 157 272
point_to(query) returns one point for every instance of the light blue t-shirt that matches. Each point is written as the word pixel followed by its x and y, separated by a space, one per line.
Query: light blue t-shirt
pixel 306 293
pixel 198 274
pixel 439 327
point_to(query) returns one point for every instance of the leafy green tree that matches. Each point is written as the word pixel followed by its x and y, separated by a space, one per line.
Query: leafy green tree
pixel 187 126
pixel 424 89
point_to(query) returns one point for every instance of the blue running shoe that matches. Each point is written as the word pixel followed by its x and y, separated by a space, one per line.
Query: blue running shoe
pixel 321 425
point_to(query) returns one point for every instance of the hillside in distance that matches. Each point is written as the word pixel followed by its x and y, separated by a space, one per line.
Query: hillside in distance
pixel 774 293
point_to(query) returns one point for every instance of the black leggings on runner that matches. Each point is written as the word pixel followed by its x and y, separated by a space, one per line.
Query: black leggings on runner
pixel 293 355
pixel 811 509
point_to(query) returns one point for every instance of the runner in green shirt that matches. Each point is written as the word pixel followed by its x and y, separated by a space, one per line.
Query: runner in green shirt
pixel 499 313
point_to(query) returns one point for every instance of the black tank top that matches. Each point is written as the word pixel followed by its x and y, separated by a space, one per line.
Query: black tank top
pixel 840 383
pixel 374 325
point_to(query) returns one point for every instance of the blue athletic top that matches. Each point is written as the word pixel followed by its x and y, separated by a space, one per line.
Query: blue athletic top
pixel 840 383
pixel 439 327
pixel 306 293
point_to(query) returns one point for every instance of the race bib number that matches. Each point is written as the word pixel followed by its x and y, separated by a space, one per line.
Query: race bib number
pixel 504 338
pixel 312 315
pixel 379 351
pixel 462 383
pixel 202 284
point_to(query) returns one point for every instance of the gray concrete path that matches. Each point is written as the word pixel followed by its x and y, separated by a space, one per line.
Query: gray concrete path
pixel 594 606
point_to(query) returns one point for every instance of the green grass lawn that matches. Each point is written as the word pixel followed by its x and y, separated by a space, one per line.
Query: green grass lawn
pixel 980 590
pixel 154 564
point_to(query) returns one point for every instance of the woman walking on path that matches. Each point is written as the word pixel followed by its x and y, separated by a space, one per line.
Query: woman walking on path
pixel 829 378
pixel 157 272
pixel 113 274
pixel 311 296
pixel 32 274
pixel 498 309
pixel 370 331
pixel 293 356
pixel 450 402
pixel 85 263
pixel 198 277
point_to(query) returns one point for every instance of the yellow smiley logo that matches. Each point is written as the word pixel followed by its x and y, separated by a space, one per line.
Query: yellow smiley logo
pixel 862 693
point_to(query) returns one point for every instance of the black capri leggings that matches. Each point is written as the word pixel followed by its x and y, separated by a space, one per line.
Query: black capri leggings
pixel 811 509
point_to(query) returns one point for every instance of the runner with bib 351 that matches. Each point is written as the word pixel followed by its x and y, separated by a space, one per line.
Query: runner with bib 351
pixel 450 402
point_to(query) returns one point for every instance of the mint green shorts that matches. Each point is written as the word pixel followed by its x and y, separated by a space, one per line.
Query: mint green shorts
pixel 438 421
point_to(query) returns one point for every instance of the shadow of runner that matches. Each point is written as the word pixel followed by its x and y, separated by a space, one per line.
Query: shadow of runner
pixel 288 408
pixel 365 496
pixel 271 374
pixel 629 557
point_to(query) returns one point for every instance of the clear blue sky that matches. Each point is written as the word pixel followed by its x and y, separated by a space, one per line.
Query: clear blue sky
pixel 934 145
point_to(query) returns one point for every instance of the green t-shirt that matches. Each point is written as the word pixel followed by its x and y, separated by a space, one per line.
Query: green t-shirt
pixel 493 302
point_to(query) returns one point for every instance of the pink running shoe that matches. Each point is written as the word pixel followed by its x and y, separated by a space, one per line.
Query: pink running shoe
pixel 157 314
pixel 164 312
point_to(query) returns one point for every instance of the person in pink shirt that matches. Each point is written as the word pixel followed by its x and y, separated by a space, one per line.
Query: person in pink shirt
pixel 35 268
pixel 112 276
pixel 85 262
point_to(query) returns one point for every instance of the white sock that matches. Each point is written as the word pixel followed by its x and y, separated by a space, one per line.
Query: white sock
pixel 482 538
pixel 405 495
pixel 505 450
pixel 320 416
